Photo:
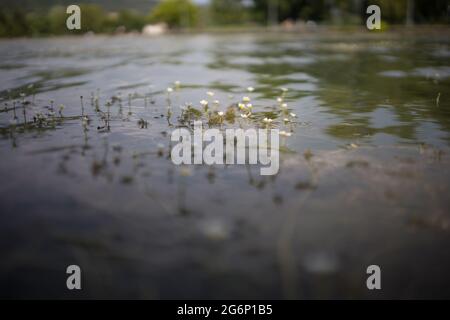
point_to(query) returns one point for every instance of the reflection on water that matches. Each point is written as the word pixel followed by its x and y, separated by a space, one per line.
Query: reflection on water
pixel 87 176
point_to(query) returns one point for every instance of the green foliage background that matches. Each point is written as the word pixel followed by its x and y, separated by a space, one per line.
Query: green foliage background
pixel 16 21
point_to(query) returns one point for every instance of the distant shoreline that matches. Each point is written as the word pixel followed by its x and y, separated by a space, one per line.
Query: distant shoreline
pixel 319 30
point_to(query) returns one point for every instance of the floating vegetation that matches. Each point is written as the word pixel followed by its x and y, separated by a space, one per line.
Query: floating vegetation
pixel 143 124
pixel 241 114
pixel 244 113
pixel 308 154
pixel 126 180
pixel 357 164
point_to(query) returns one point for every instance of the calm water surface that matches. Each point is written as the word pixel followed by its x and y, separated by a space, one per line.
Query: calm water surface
pixel 364 179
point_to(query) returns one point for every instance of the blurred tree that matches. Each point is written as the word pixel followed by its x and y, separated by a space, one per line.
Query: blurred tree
pixel 38 24
pixel 57 20
pixel 317 10
pixel 431 11
pixel 176 13
pixel 131 20
pixel 92 18
pixel 13 23
pixel 351 11
pixel 226 12
pixel 411 11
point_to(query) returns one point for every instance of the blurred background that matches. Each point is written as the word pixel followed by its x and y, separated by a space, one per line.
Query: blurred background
pixel 47 17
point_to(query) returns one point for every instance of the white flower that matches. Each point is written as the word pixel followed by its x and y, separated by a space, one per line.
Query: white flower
pixel 210 93
pixel 216 101
pixel 85 120
pixel 284 89
pixel 169 90
pixel 293 115
pixel 284 105
pixel 249 105
pixel 250 89
pixel 245 116
pixel 279 99
pixel 286 120
pixel 177 83
pixel 241 106
pixel 285 134
pixel 220 113
pixel 246 99
pixel 204 103
pixel 267 120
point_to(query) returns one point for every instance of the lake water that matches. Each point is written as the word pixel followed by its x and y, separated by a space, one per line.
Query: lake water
pixel 364 178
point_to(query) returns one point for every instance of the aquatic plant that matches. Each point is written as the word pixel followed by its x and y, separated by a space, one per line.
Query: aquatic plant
pixel 60 110
pixel 82 106
pixel 142 123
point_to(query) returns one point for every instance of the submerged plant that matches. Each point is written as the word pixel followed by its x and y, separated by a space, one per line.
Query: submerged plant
pixel 14 111
pixel 82 106
pixel 60 110
pixel 142 123
pixel 230 114
pixel 160 149
pixel 308 154
pixel 215 118
pixel 204 104
pixel 130 97
pixel 24 109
